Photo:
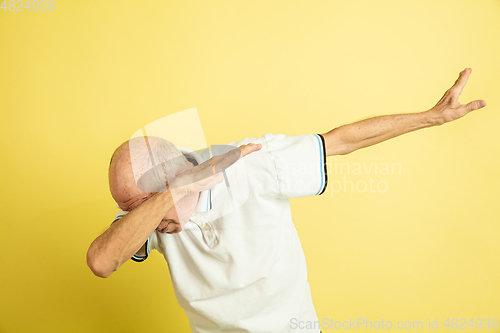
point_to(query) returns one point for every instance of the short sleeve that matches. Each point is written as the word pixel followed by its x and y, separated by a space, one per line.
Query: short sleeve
pixel 150 242
pixel 300 163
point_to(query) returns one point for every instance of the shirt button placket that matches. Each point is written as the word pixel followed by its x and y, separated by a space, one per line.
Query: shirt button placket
pixel 209 234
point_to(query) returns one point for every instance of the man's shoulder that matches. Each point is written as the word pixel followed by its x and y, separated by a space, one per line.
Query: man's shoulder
pixel 269 140
pixel 221 149
pixel 247 140
pixel 273 142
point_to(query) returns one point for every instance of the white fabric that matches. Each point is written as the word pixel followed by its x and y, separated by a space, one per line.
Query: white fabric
pixel 239 266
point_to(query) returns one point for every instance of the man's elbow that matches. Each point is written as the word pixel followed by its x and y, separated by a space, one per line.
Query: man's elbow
pixel 335 145
pixel 342 149
pixel 339 149
pixel 98 267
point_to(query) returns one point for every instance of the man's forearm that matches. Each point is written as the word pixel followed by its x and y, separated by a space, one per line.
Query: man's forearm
pixel 126 236
pixel 348 138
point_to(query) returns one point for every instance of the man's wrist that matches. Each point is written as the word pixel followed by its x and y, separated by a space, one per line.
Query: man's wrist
pixel 433 117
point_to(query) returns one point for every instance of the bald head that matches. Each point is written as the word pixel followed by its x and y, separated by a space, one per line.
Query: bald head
pixel 142 166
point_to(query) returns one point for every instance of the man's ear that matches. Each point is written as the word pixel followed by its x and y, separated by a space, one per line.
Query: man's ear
pixel 192 163
pixel 191 159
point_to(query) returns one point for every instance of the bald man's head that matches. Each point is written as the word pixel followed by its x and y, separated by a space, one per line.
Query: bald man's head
pixel 142 166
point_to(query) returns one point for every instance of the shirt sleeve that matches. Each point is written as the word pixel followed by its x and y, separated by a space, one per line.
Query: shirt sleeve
pixel 300 164
pixel 151 242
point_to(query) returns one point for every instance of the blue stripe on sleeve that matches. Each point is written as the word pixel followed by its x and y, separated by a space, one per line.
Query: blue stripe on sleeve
pixel 322 153
pixel 138 258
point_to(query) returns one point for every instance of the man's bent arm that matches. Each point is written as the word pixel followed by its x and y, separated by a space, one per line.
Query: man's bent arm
pixel 127 235
pixel 348 138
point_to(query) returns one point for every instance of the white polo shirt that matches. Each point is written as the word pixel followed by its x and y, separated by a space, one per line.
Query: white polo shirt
pixel 238 265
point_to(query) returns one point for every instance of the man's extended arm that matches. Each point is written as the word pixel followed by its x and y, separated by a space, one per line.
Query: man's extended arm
pixel 348 138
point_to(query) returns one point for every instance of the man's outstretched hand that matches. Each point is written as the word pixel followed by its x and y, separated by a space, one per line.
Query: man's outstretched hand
pixel 368 132
pixel 449 108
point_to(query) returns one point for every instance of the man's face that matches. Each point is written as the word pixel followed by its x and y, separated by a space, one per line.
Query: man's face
pixel 128 196
pixel 176 218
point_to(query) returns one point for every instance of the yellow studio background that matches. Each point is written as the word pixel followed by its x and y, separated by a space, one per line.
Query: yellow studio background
pixel 78 81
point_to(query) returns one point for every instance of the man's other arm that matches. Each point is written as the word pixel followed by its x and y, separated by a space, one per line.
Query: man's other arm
pixel 127 235
pixel 348 138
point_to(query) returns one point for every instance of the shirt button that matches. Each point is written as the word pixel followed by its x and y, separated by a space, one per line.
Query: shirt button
pixel 206 227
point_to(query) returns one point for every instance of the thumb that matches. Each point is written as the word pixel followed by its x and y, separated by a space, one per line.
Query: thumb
pixel 474 105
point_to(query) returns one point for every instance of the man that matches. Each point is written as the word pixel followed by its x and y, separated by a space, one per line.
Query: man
pixel 237 267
